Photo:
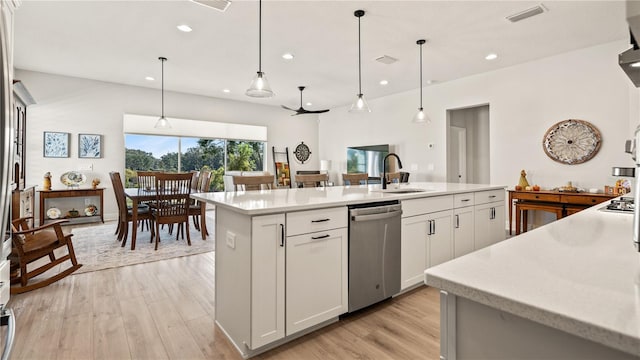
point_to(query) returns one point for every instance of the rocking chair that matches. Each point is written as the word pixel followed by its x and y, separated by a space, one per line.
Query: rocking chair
pixel 31 244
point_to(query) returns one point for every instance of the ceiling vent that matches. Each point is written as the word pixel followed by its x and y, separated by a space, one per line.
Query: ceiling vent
pixel 386 59
pixel 220 5
pixel 536 10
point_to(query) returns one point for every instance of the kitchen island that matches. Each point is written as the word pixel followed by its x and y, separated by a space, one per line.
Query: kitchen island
pixel 281 259
pixel 567 290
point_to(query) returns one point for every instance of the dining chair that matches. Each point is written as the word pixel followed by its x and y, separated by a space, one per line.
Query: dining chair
pixel 32 244
pixel 312 180
pixel 393 177
pixel 194 207
pixel 355 178
pixel 125 214
pixel 146 179
pixel 253 182
pixel 172 203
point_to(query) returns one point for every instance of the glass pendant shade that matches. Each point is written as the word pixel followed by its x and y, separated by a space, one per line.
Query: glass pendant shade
pixel 163 123
pixel 360 105
pixel 421 117
pixel 259 86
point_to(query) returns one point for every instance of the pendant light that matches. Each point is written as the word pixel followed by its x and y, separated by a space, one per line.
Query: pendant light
pixel 421 117
pixel 259 86
pixel 162 123
pixel 360 104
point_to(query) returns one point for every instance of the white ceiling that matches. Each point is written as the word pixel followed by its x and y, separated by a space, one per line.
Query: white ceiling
pixel 120 41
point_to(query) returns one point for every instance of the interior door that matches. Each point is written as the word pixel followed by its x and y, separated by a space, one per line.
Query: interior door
pixel 458 155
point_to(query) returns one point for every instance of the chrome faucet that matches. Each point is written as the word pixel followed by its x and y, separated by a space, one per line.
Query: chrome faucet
pixel 384 169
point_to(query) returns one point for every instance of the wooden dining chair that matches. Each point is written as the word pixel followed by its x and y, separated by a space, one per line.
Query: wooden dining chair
pixel 194 207
pixel 253 182
pixel 355 178
pixel 172 203
pixel 312 180
pixel 125 214
pixel 146 179
pixel 393 177
pixel 32 244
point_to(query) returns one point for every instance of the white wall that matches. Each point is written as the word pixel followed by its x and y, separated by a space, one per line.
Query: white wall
pixel 85 106
pixel 524 100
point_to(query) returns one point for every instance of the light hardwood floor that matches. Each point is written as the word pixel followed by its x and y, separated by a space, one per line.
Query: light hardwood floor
pixel 165 310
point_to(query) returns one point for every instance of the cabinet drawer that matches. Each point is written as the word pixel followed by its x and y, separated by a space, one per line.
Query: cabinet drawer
pixel 539 197
pixel 304 222
pixel 462 200
pixel 483 197
pixel 427 205
pixel 5 285
pixel 582 199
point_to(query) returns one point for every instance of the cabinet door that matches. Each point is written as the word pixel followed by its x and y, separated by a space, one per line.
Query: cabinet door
pixel 440 239
pixel 267 279
pixel 497 229
pixel 489 224
pixel 463 230
pixel 413 250
pixel 317 276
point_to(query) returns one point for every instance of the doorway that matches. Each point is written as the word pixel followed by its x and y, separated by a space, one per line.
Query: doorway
pixel 468 145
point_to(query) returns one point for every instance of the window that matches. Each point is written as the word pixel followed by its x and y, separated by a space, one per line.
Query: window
pixel 182 154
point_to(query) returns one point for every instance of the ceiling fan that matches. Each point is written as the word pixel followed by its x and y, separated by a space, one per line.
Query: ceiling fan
pixel 302 110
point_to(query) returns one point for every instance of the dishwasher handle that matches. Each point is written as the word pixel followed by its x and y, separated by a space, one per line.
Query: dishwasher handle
pixel 372 217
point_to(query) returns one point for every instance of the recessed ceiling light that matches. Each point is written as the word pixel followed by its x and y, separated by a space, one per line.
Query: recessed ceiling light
pixel 491 56
pixel 226 90
pixel 383 82
pixel 184 28
pixel 149 78
pixel 288 56
pixel 309 104
pixel 636 64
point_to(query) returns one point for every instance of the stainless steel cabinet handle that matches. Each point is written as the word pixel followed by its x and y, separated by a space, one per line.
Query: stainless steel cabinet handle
pixel 321 220
pixel 491 196
pixel 457 221
pixel 465 200
pixel 282 235
pixel 320 237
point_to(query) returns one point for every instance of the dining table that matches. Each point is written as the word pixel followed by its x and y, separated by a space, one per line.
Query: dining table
pixel 139 195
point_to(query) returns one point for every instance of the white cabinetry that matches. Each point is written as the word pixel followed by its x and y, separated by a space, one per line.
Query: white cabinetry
pixel 317 267
pixel 489 218
pixel 420 217
pixel 463 231
pixel 267 279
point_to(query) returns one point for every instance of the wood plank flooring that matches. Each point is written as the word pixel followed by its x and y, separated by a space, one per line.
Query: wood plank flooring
pixel 165 310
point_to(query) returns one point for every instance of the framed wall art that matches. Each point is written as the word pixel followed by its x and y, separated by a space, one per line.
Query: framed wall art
pixel 56 144
pixel 89 146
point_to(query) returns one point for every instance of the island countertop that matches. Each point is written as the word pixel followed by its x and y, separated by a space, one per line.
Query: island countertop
pixel 283 200
pixel 580 274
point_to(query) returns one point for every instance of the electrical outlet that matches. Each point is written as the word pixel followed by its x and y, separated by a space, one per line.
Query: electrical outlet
pixel 231 240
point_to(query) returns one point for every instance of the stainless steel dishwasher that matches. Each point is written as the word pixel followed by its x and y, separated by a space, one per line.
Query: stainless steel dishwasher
pixel 374 253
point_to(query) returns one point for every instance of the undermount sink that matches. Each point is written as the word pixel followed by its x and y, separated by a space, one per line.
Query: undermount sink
pixel 401 190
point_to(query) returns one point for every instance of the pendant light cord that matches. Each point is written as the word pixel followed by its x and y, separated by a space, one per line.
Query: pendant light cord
pixel 420 76
pixel 359 61
pixel 162 60
pixel 260 36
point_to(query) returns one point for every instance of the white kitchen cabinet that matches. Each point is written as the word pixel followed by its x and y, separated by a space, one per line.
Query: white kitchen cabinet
pixel 440 237
pixel 267 279
pixel 417 220
pixel 317 276
pixel 413 250
pixel 489 224
pixel 463 231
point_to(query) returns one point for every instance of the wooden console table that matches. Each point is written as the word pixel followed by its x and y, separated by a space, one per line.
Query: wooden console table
pixel 46 197
pixel 561 203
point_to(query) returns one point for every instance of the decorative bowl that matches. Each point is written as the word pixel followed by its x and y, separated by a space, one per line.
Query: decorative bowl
pixel 54 213
pixel 73 178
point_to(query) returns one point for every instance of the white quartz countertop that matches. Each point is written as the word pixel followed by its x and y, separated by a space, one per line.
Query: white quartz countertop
pixel 283 200
pixel 580 274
